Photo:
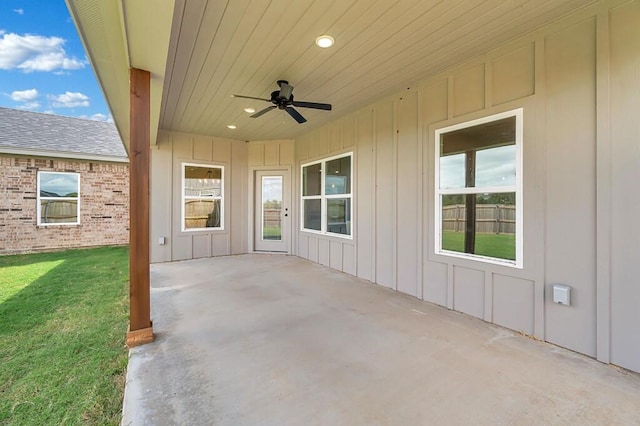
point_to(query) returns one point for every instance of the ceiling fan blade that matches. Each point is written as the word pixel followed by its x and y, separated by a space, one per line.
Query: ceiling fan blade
pixel 250 97
pixel 296 115
pixel 314 105
pixel 285 90
pixel 261 112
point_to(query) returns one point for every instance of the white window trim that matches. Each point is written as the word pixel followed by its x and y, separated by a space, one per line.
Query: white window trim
pixel 183 197
pixel 517 188
pixel 324 197
pixel 39 199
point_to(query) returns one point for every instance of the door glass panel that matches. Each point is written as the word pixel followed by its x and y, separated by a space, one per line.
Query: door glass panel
pixel 272 208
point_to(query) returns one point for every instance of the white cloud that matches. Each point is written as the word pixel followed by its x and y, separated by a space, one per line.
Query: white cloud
pixel 24 95
pixel 98 117
pixel 69 100
pixel 494 167
pixel 60 184
pixel 35 53
pixel 19 11
pixel 29 105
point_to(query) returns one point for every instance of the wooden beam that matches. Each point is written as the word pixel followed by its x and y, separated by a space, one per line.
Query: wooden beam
pixel 140 326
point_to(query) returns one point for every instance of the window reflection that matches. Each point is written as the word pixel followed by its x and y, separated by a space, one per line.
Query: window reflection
pixel 203 181
pixel 477 187
pixel 482 155
pixel 312 214
pixel 339 216
pixel 338 176
pixel 311 180
pixel 202 192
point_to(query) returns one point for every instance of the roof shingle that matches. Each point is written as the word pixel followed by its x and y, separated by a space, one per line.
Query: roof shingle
pixel 34 131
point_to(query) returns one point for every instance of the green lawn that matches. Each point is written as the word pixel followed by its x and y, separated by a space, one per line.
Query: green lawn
pixel 63 320
pixel 501 246
pixel 272 233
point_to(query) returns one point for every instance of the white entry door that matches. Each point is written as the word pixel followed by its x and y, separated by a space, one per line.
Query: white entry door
pixel 273 211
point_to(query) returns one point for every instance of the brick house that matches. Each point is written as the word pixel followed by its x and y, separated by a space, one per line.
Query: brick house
pixel 64 182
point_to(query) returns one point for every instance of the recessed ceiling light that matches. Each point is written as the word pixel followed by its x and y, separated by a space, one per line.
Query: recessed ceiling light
pixel 324 41
pixel 250 110
pixel 232 126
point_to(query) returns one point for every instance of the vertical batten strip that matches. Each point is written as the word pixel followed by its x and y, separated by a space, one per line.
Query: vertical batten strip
pixel 603 191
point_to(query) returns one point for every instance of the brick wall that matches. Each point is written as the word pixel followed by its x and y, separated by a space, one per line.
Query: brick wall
pixel 104 205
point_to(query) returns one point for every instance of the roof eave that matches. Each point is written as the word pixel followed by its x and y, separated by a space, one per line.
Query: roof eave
pixel 120 35
pixel 61 154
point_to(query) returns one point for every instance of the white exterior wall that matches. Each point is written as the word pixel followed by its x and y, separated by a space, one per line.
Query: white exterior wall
pixel 620 177
pixel 167 157
pixel 269 155
pixel 578 81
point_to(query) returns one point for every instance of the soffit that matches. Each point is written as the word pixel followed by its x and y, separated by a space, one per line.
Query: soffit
pixel 99 27
pixel 117 35
pixel 220 48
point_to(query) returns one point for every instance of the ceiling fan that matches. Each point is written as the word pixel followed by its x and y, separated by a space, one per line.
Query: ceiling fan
pixel 283 99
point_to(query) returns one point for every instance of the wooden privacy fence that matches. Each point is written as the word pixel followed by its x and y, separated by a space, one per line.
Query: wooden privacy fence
pixel 272 218
pixel 490 218
pixel 202 213
pixel 59 211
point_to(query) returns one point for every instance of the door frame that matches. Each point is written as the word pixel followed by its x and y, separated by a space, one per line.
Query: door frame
pixel 251 196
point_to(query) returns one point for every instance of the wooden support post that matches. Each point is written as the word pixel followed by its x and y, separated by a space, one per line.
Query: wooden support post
pixel 140 326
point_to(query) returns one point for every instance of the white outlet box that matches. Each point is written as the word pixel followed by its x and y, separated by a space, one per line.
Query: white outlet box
pixel 562 294
pixel 161 241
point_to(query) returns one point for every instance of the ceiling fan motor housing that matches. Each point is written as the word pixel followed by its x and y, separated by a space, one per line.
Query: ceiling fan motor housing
pixel 283 100
pixel 279 101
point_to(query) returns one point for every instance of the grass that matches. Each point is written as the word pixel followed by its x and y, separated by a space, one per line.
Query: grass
pixel 63 320
pixel 501 246
pixel 272 233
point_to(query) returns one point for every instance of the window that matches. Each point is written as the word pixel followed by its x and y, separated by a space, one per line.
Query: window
pixel 58 198
pixel 479 189
pixel 326 201
pixel 202 197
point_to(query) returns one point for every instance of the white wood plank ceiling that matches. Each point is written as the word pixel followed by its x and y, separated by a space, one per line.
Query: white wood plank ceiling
pixel 219 48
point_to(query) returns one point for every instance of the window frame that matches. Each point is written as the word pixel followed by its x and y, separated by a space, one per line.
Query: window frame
pixel 323 197
pixel 518 113
pixel 40 198
pixel 184 197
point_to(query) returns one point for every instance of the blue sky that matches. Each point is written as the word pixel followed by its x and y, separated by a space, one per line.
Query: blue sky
pixel 43 66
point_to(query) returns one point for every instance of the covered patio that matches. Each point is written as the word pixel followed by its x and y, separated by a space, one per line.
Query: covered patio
pixel 274 339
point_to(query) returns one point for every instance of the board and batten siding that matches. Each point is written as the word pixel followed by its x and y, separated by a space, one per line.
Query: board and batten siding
pixel 268 155
pixel 578 82
pixel 623 170
pixel 167 156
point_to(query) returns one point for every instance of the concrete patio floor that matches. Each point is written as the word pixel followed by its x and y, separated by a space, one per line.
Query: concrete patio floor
pixel 276 340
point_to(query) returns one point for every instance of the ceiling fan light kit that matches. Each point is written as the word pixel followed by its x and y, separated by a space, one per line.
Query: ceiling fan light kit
pixel 283 99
